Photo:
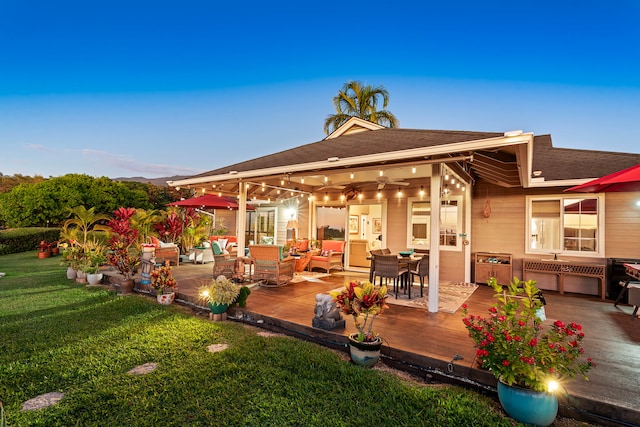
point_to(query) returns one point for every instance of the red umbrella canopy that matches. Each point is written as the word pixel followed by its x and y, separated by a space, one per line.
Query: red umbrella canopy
pixel 624 180
pixel 210 201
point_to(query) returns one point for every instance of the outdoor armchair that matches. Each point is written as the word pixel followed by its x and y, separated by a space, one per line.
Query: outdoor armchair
pixel 269 267
pixel 330 256
pixel 223 264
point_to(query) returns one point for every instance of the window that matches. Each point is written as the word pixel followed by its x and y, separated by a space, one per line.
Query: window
pixel 571 225
pixel 330 222
pixel 419 220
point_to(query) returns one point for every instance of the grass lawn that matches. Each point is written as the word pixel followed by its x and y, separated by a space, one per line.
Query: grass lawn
pixel 56 335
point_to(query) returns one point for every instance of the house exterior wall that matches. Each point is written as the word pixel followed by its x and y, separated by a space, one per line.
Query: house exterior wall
pixel 505 229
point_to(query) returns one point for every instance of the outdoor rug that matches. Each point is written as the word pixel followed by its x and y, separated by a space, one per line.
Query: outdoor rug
pixel 451 296
pixel 307 275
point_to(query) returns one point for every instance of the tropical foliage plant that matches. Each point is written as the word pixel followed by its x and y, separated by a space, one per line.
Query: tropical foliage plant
pixel 162 280
pixel 364 302
pixel 124 254
pixel 220 291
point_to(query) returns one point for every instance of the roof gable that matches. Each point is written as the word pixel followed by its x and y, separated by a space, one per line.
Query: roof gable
pixel 354 125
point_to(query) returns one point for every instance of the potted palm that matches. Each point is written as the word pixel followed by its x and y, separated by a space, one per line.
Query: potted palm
pixel 164 283
pixel 220 294
pixel 528 357
pixel 364 302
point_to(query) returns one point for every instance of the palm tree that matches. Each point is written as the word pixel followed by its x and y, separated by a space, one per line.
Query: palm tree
pixel 85 224
pixel 358 100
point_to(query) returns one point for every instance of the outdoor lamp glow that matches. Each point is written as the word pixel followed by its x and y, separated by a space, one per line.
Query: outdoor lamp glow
pixel 552 386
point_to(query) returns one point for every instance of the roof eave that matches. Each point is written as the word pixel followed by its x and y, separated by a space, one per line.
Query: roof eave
pixel 333 162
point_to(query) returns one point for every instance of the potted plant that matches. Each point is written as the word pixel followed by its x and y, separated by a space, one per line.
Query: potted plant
pixel 44 249
pixel 164 283
pixel 220 294
pixel 123 255
pixel 95 260
pixel 527 357
pixel 364 302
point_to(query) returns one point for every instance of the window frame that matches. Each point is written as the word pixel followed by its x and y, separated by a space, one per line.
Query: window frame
pixel 459 223
pixel 561 199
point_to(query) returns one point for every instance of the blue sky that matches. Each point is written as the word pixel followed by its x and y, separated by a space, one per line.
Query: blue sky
pixel 142 88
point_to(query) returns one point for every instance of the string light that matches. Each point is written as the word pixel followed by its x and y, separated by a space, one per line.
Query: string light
pixel 326 178
pixel 379 195
pixel 399 192
pixel 301 180
pixel 413 169
pixel 360 196
pixel 421 190
pixel 326 197
pixel 352 175
pixel 381 173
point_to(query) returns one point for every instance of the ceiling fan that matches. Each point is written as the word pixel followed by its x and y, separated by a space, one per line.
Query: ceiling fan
pixel 384 180
pixel 329 184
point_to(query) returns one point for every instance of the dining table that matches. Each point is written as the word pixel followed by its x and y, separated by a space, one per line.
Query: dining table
pixel 408 261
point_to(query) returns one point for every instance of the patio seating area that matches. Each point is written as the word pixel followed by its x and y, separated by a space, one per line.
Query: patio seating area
pixel 425 344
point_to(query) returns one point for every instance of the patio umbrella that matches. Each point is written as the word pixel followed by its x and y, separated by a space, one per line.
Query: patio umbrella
pixel 624 180
pixel 210 201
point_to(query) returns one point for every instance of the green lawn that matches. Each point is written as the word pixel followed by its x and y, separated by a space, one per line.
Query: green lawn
pixel 56 335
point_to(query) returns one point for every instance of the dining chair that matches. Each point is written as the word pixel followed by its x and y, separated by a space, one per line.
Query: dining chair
pixel 421 270
pixel 389 267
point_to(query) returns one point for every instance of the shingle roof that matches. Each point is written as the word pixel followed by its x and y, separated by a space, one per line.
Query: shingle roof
pixel 357 144
pixel 569 163
pixel 555 163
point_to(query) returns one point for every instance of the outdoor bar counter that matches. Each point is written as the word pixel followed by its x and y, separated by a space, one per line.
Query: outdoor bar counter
pixel 566 268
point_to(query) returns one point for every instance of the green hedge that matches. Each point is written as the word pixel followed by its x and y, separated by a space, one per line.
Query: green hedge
pixel 14 240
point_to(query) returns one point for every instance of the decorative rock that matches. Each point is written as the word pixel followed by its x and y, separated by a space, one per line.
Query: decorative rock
pixel 269 334
pixel 214 348
pixel 42 401
pixel 143 369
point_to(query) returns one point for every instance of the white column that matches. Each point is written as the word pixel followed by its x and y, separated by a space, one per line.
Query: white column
pixel 434 240
pixel 467 231
pixel 241 217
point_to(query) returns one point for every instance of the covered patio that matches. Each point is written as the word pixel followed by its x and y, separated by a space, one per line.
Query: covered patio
pixel 428 345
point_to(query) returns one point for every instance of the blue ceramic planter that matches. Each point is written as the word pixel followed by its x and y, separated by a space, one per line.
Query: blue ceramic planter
pixel 528 406
pixel 364 353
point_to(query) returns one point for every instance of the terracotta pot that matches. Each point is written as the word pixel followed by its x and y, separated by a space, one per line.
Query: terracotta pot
pixel 126 286
pixel 55 250
pixel 44 254
pixel 81 276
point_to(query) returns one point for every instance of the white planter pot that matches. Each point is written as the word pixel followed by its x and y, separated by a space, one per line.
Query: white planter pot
pixel 71 273
pixel 94 279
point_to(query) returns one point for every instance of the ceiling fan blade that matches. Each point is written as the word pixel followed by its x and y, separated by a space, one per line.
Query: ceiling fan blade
pixel 399 183
pixel 380 186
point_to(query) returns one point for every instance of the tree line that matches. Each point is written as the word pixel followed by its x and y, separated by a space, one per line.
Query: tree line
pixel 45 202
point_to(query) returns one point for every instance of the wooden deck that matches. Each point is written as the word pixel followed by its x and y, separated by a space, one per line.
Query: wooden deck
pixel 425 343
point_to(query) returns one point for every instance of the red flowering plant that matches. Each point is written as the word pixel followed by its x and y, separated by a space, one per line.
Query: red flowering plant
pixel 517 348
pixel 364 302
pixel 162 280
